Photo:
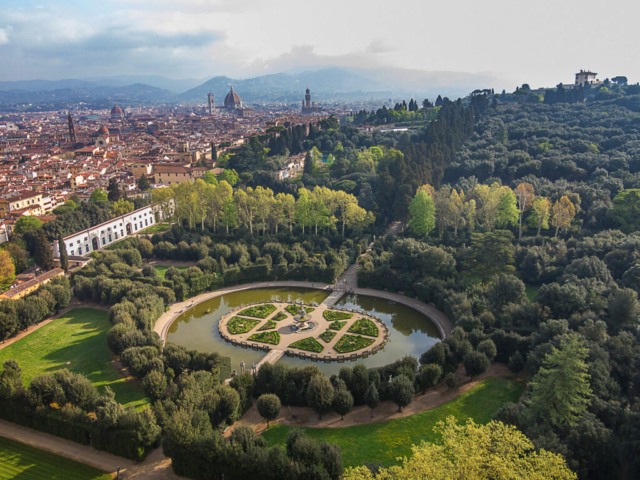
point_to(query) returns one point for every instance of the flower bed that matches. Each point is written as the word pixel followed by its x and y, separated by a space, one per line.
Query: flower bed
pixel 309 344
pixel 272 338
pixel 269 324
pixel 331 315
pixel 239 325
pixel 259 311
pixel 351 343
pixel 328 336
pixel 279 316
pixel 364 326
pixel 294 309
pixel 337 325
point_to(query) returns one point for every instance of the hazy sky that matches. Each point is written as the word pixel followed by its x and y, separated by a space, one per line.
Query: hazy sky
pixel 541 42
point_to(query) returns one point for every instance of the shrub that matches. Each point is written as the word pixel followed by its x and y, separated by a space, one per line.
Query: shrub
pixel 351 343
pixel 259 311
pixel 364 326
pixel 331 315
pixel 272 338
pixel 309 344
pixel 328 336
pixel 337 325
pixel 239 325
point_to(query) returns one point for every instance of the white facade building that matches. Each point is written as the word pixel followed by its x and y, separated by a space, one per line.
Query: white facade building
pixel 99 236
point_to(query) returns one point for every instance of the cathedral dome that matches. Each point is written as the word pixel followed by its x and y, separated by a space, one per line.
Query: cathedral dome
pixel 116 111
pixel 103 130
pixel 232 100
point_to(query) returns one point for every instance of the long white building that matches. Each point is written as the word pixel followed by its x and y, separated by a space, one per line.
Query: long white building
pixel 99 236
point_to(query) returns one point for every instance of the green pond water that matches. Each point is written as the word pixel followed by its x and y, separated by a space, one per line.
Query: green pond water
pixel 410 332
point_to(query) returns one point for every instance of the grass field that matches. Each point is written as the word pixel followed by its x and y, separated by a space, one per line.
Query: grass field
pixel 78 337
pixel 383 442
pixel 20 461
pixel 162 269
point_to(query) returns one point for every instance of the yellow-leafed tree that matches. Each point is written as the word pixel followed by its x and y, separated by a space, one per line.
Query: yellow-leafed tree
pixel 474 452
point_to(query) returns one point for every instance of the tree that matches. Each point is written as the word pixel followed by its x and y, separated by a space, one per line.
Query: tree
pixel 143 183
pixel 563 212
pixel 342 402
pixel 401 391
pixel 480 452
pixel 64 258
pixel 560 390
pixel 26 223
pixel 320 394
pixel 491 253
pixel 268 407
pixel 488 348
pixel 626 210
pixel 475 363
pixel 494 205
pixel 624 309
pixel 121 207
pixel 210 177
pixel 423 212
pixel 18 255
pixel 98 195
pixel 145 247
pixel 230 176
pixel 164 198
pixel 541 211
pixel 516 363
pixel 7 271
pixel 507 213
pixel 371 397
pixel 430 375
pixel 524 195
pixel 114 191
pixel 43 256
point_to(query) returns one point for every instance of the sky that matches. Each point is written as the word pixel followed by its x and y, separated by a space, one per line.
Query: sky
pixel 541 43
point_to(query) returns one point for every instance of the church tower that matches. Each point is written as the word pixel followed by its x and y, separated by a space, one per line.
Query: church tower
pixel 307 98
pixel 211 102
pixel 72 130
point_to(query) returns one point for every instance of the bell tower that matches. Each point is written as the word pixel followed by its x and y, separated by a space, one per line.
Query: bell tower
pixel 72 130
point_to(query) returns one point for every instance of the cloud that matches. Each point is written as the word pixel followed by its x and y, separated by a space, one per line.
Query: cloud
pixel 4 36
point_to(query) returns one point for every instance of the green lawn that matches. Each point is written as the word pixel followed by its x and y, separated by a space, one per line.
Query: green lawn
pixel 78 337
pixel 20 461
pixel 383 442
pixel 157 228
pixel 531 291
pixel 162 269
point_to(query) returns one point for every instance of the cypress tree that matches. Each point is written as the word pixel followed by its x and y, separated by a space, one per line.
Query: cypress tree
pixel 64 259
pixel 43 256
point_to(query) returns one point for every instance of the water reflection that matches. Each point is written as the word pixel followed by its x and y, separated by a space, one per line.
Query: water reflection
pixel 411 333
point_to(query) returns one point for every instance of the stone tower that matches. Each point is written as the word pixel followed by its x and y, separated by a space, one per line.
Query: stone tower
pixel 72 130
pixel 211 101
pixel 307 98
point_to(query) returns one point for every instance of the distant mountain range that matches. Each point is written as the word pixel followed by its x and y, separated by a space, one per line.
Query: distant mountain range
pixel 327 84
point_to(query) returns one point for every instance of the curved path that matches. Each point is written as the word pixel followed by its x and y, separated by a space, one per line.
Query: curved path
pixel 387 410
pixel 175 310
